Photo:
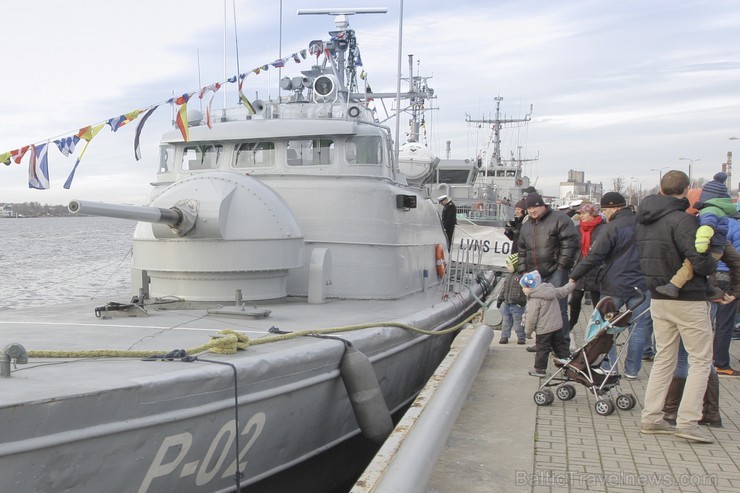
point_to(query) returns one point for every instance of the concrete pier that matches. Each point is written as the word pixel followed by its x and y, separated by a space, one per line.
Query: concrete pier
pixel 503 442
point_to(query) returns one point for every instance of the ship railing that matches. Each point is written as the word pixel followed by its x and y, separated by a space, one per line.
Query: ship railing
pixel 485 210
pixel 463 270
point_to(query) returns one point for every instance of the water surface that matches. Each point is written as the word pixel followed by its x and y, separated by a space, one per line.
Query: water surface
pixel 58 259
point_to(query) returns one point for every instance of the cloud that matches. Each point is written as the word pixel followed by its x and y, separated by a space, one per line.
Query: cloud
pixel 617 87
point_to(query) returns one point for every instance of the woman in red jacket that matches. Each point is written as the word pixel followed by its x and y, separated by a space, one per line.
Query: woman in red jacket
pixel 591 221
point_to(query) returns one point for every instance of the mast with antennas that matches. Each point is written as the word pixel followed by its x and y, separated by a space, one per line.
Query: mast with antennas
pixel 342 24
pixel 498 123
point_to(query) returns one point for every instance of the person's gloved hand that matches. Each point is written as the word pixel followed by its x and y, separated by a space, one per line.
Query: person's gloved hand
pixel 498 304
pixel 703 234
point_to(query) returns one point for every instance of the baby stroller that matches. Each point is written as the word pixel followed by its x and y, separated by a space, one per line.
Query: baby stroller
pixel 584 365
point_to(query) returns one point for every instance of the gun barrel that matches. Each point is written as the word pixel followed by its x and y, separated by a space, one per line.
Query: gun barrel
pixel 173 217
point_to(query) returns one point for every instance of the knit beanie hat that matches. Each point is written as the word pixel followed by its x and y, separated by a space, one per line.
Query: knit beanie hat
pixel 592 209
pixel 520 205
pixel 613 199
pixel 512 261
pixel 531 279
pixel 534 200
pixel 715 189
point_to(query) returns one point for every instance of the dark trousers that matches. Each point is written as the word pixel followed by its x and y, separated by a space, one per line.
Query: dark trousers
pixel 724 324
pixel 449 231
pixel 574 302
pixel 552 341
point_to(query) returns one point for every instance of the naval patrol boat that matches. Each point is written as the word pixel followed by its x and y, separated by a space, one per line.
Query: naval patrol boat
pixel 290 293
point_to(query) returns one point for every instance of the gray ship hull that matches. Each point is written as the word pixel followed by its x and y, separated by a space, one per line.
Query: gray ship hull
pixel 143 426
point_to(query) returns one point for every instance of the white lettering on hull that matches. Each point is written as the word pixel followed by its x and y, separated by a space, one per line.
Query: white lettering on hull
pixel 206 468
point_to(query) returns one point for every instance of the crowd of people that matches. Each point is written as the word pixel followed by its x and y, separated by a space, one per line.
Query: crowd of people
pixel 671 260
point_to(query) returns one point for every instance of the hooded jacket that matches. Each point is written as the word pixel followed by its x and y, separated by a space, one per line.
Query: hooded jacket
pixel 730 261
pixel 614 249
pixel 543 310
pixel 548 243
pixel 665 237
pixel 714 213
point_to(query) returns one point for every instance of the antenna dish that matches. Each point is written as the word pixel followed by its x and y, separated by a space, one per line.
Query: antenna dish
pixel 353 111
pixel 258 105
pixel 325 88
pixel 195 118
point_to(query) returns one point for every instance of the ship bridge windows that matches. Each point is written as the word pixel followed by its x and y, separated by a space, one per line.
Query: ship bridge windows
pixel 310 152
pixel 256 154
pixel 454 175
pixel 201 156
pixel 364 149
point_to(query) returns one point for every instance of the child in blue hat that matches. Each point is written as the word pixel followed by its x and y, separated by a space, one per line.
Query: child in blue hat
pixel 543 317
pixel 714 206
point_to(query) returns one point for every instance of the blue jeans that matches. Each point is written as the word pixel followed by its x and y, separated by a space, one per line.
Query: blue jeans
pixel 642 330
pixel 512 314
pixel 558 279
pixel 724 323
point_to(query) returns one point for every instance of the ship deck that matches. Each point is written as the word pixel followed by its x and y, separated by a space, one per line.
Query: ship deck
pixel 75 327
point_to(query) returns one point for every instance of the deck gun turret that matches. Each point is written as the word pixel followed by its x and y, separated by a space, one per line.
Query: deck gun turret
pixel 180 218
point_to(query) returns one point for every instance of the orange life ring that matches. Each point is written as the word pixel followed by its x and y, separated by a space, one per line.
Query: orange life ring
pixel 441 264
pixel 519 182
pixel 478 206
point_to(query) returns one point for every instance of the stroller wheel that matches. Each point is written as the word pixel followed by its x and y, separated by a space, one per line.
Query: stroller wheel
pixel 566 392
pixel 604 407
pixel 625 402
pixel 544 397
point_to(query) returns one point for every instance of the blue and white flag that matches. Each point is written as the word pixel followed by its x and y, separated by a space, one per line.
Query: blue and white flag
pixel 38 168
pixel 67 145
pixel 117 122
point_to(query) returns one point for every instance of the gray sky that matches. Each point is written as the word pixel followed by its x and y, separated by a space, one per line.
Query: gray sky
pixel 619 87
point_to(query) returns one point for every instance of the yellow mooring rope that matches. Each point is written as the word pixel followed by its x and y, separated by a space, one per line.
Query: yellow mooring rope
pixel 229 341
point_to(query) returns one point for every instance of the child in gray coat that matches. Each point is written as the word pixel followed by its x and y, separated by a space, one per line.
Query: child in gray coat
pixel 544 318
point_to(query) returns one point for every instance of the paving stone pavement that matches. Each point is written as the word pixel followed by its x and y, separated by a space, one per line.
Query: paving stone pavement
pixel 504 442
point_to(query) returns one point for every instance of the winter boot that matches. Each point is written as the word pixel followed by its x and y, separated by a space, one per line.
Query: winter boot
pixel 673 399
pixel 710 412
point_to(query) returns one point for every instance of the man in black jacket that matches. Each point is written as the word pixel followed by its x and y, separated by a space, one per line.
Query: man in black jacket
pixel 548 243
pixel 665 237
pixel 615 252
pixel 449 218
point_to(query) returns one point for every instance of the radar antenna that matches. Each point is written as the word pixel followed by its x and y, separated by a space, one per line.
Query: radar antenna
pixel 345 40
